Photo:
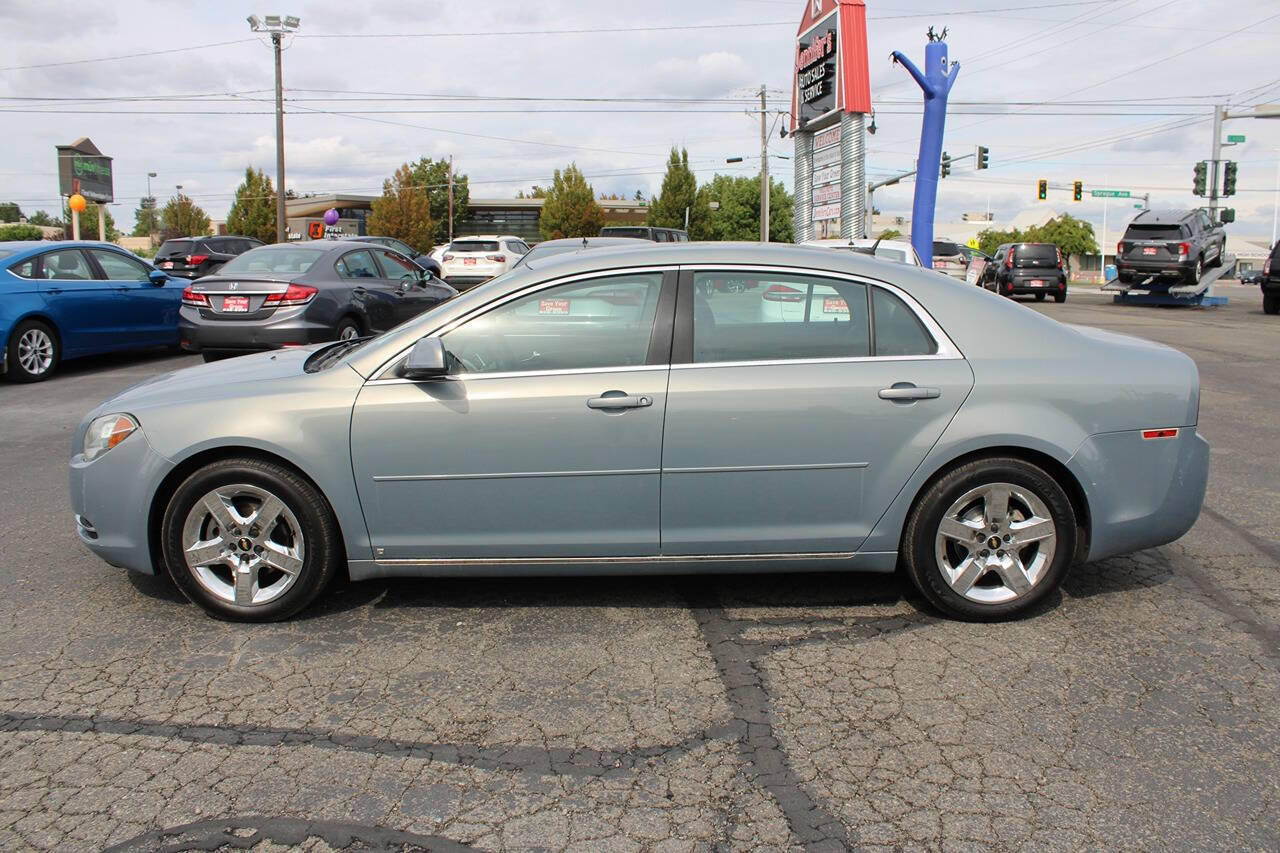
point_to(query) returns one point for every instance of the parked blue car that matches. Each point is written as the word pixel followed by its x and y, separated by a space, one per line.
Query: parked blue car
pixel 70 299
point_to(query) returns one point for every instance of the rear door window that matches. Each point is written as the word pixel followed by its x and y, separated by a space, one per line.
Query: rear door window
pixel 1039 252
pixel 174 247
pixel 1155 232
pixel 473 246
pixel 68 264
pixel 357 264
pixel 899 331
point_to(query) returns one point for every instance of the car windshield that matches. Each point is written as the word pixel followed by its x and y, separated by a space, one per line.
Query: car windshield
pixel 473 246
pixel 1154 232
pixel 280 260
pixel 174 247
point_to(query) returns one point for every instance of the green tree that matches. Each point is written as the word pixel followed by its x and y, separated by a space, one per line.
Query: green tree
pixel 570 209
pixel 432 177
pixel 182 217
pixel 88 222
pixel 10 212
pixel 1073 236
pixel 535 191
pixel 42 217
pixel 890 234
pixel 680 193
pixel 253 213
pixel 146 218
pixel 20 232
pixel 989 239
pixel 738 217
pixel 403 211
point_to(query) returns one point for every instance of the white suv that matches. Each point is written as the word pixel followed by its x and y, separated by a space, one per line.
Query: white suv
pixel 471 260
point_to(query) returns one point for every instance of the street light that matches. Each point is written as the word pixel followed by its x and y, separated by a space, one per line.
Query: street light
pixel 277 27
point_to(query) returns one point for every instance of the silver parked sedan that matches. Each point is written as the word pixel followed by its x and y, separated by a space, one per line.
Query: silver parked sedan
pixel 598 413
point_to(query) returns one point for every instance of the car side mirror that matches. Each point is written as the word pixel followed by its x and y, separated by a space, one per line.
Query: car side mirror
pixel 158 278
pixel 427 360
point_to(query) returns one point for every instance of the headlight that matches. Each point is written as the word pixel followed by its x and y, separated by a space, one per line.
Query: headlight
pixel 105 433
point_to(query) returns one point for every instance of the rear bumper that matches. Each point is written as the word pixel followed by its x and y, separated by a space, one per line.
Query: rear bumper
pixel 1142 492
pixel 1164 269
pixel 465 282
pixel 1051 284
pixel 284 328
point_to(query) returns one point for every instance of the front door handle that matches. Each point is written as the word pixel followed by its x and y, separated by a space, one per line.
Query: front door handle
pixel 619 400
pixel 906 391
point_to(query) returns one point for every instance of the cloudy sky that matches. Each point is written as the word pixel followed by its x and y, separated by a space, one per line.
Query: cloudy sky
pixel 1114 93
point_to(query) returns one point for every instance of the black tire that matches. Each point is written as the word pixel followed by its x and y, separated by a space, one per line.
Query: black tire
pixel 1039 297
pixel 322 554
pixel 1217 261
pixel 348 327
pixel 1194 274
pixel 919 536
pixel 49 351
pixel 1271 302
pixel 1059 298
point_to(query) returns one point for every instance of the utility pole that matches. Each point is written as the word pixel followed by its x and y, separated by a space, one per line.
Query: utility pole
pixel 1219 113
pixel 450 198
pixel 764 168
pixel 276 26
pixel 151 212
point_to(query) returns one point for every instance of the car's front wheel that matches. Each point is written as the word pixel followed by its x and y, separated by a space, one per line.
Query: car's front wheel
pixel 990 539
pixel 250 540
pixel 34 352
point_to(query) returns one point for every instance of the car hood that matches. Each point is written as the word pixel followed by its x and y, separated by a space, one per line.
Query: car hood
pixel 221 378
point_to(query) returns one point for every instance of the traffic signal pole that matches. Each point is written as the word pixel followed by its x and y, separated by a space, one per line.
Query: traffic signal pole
pixel 1219 113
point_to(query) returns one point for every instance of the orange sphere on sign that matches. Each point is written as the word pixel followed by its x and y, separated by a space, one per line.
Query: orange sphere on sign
pixel 77 203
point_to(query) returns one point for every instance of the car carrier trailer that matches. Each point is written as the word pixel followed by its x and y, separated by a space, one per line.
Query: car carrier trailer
pixel 1149 291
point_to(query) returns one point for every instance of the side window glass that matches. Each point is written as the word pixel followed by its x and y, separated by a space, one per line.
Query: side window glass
pixel 396 266
pixel 773 317
pixel 358 264
pixel 600 322
pixel 118 267
pixel 67 264
pixel 898 329
pixel 26 269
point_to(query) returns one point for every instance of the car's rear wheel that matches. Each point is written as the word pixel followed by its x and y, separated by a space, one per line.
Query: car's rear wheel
pixel 34 352
pixel 348 329
pixel 1059 297
pixel 1197 272
pixel 990 539
pixel 1271 303
pixel 1039 297
pixel 250 540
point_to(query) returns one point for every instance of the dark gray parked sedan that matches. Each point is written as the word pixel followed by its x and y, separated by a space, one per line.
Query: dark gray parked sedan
pixel 291 295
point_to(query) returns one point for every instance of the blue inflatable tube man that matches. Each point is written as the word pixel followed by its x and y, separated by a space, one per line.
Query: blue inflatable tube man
pixel 935 81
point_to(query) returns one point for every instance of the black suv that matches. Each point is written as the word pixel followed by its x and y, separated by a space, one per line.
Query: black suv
pixel 192 257
pixel 1036 268
pixel 1173 245
pixel 1270 283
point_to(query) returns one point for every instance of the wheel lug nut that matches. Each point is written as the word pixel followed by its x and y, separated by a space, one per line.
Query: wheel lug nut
pixel 999 553
pixel 983 553
pixel 1008 538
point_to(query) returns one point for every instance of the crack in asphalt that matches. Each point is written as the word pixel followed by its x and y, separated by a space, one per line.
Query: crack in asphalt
pixel 246 833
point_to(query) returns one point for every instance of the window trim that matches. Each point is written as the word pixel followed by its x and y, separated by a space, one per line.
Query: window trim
pixel 682 346
pixel 662 327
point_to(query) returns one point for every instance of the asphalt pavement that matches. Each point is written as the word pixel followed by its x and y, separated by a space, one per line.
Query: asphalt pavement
pixel 1140 708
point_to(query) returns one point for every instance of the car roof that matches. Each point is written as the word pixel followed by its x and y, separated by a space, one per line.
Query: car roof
pixel 595 241
pixel 485 237
pixel 1163 217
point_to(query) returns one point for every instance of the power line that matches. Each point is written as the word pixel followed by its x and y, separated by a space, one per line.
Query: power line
pixel 148 54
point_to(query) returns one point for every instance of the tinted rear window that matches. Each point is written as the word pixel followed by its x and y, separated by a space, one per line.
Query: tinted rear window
pixel 638 233
pixel 1154 232
pixel 1275 252
pixel 474 246
pixel 1036 252
pixel 279 260
pixel 174 247
pixel 943 248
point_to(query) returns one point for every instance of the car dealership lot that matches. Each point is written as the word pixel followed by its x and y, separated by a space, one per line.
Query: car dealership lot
pixel 1140 708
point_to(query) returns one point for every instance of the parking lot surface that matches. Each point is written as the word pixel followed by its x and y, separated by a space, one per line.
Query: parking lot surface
pixel 1140 708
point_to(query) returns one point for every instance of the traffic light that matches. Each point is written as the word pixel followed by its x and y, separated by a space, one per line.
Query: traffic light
pixel 1077 190
pixel 983 160
pixel 1202 177
pixel 1229 178
pixel 1043 192
pixel 946 164
pixel 1227 214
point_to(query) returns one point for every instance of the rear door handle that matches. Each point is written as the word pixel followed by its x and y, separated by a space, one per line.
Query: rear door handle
pixel 619 401
pixel 909 392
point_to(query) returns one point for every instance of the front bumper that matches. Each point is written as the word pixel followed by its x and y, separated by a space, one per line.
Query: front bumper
pixel 111 500
pixel 287 327
pixel 1142 492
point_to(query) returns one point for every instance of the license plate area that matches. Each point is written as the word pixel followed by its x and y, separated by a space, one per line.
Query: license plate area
pixel 235 304
pixel 1149 250
pixel 470 262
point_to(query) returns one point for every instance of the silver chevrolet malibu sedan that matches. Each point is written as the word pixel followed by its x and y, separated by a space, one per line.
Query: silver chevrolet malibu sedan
pixel 621 410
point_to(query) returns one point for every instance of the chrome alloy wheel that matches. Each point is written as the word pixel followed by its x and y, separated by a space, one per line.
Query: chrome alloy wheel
pixel 348 333
pixel 995 543
pixel 243 545
pixel 35 351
